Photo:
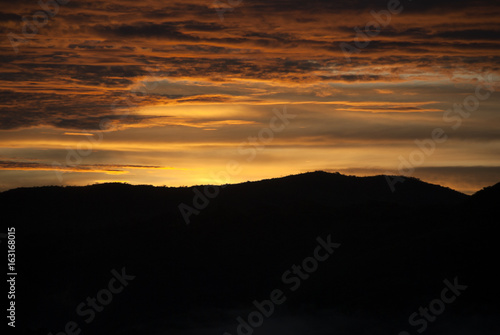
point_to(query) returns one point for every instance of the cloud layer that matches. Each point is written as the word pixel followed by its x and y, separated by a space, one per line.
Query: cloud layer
pixel 158 75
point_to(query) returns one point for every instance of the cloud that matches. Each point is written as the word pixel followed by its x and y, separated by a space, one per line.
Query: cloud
pixel 83 168
pixel 200 72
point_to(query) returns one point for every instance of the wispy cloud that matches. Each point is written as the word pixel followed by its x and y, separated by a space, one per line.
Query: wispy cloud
pixel 106 168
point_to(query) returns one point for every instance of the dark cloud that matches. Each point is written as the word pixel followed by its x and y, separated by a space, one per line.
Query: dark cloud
pixel 24 165
pixel 471 34
pixel 351 77
pixel 5 17
pixel 201 26
pixel 166 31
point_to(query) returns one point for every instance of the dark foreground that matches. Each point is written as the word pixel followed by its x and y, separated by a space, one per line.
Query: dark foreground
pixel 316 253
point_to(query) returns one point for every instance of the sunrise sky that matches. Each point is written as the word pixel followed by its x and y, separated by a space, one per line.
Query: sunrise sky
pixel 169 92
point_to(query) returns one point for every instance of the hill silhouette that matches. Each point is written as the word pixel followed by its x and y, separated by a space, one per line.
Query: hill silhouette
pixel 488 195
pixel 396 249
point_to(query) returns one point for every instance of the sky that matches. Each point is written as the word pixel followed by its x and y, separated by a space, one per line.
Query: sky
pixel 190 92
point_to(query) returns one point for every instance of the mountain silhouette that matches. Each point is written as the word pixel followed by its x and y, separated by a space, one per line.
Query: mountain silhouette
pixel 396 250
pixel 488 195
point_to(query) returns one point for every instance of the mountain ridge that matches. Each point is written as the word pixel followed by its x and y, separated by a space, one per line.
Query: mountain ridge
pixel 310 176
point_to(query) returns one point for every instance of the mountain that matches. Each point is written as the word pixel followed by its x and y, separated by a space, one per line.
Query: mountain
pixel 393 253
pixel 488 195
